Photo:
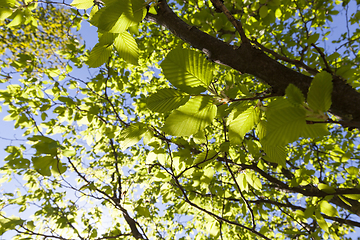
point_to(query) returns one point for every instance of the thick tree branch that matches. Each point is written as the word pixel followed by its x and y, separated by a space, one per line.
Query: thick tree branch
pixel 248 59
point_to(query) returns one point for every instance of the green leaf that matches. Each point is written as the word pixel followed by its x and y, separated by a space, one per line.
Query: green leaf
pixel 127 47
pixel 328 209
pixel 143 211
pixel 68 152
pixel 274 153
pixel 352 170
pixel 319 95
pixel 212 228
pixel 242 124
pixel 44 145
pixel 99 55
pixel 9 223
pixel 132 134
pixel 326 188
pixel 188 119
pixel 315 130
pixel 165 100
pixel 82 4
pixel 263 12
pixel 42 164
pixel 253 180
pixel 8 3
pixel 285 125
pixel 187 70
pixel 321 221
pixel 118 16
pixel 58 167
pixel 313 38
pixel 106 39
pixel 204 156
pixel 17 18
pixel 243 184
pixel 294 95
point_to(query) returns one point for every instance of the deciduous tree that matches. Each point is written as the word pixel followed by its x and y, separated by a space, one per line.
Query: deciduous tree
pixel 198 120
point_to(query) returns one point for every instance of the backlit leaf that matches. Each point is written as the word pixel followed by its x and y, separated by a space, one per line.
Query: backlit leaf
pixel 99 55
pixel 132 134
pixel 187 70
pixel 242 124
pixel 165 100
pixel 319 95
pixel 127 48
pixel 118 16
pixel 188 119
pixel 82 4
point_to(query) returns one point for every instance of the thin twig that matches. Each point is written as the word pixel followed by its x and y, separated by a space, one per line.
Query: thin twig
pixel 286 59
pixel 236 23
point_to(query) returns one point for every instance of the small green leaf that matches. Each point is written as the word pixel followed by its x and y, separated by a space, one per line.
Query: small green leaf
pixel 127 47
pixel 166 100
pixel 143 211
pixel 313 38
pixel 212 228
pixel 253 180
pixel 118 16
pixel 321 221
pixel 187 70
pixel 132 134
pixel 285 125
pixel 243 184
pixel 294 95
pixel 242 124
pixel 205 156
pixel 263 12
pixel 328 209
pixel 99 55
pixel 319 95
pixel 68 152
pixel 17 18
pixel 9 223
pixel 352 170
pixel 82 4
pixel 188 119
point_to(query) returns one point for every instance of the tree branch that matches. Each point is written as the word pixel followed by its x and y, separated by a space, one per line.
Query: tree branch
pixel 248 59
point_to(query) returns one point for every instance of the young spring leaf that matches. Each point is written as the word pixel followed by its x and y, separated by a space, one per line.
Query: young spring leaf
pixel 127 47
pixel 165 100
pixel 319 95
pixel 188 119
pixel 187 70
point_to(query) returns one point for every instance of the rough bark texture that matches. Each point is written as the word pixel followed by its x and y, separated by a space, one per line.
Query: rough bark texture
pixel 248 59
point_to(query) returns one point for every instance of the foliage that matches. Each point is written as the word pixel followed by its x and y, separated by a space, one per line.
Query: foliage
pixel 199 120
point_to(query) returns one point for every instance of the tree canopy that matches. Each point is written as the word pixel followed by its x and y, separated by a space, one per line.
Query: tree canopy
pixel 191 119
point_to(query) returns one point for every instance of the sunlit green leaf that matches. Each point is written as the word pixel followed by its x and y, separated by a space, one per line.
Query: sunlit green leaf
pixel 132 135
pixel 127 48
pixel 99 55
pixel 187 70
pixel 118 16
pixel 188 119
pixel 242 124
pixel 165 100
pixel 319 95
pixel 82 4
